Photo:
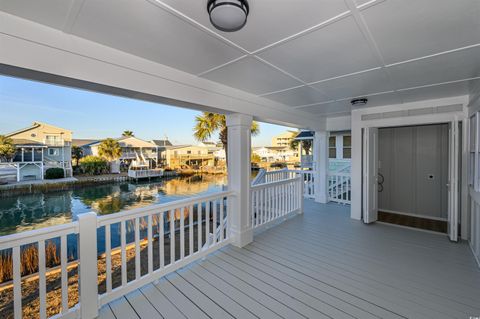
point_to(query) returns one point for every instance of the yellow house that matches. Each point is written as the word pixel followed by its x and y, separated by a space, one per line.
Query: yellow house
pixel 191 156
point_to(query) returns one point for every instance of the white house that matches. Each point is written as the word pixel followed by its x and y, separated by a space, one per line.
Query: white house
pixel 135 151
pixel 401 75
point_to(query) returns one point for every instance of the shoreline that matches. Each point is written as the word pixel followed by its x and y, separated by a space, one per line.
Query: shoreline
pixel 72 183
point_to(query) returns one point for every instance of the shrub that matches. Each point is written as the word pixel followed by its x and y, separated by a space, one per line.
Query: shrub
pixel 93 165
pixel 54 173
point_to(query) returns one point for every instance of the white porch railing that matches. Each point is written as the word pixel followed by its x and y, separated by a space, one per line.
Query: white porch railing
pixel 280 175
pixel 140 246
pixel 203 215
pixel 340 188
pixel 308 182
pixel 273 201
pixel 26 251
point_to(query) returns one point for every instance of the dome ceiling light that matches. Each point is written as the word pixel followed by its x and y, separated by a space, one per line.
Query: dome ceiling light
pixel 228 15
pixel 359 102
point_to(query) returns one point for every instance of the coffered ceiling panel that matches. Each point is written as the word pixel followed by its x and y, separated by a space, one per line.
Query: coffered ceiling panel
pixel 334 50
pixel 299 96
pixel 437 92
pixel 269 20
pixel 327 108
pixel 143 29
pixel 442 68
pixel 407 29
pixel 251 75
pixel 374 81
pixel 52 13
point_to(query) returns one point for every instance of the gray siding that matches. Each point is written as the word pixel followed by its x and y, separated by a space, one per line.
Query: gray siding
pixel 414 163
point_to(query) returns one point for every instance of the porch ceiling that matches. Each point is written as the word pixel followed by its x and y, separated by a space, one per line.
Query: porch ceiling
pixel 311 55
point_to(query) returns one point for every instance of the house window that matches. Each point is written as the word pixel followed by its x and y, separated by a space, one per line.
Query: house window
pixel 332 147
pixel 53 139
pixel 53 152
pixel 347 146
pixel 189 152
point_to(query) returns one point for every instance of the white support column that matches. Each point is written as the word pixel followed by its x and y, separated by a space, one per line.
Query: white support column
pixel 356 170
pixel 239 149
pixel 320 157
pixel 87 223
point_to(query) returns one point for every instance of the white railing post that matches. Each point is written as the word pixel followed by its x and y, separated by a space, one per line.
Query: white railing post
pixel 320 155
pixel 239 149
pixel 87 254
pixel 301 192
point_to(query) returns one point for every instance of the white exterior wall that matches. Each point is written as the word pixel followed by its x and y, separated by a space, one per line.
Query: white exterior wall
pixel 474 194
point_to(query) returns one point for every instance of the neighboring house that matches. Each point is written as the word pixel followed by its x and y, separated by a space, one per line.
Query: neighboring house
pixel 135 152
pixel 84 144
pixel 191 156
pixel 339 150
pixel 161 154
pixel 39 147
pixel 272 154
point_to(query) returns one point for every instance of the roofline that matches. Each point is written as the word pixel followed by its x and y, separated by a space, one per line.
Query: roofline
pixel 34 125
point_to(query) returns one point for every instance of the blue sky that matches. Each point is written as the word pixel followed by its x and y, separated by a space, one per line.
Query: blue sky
pixel 94 115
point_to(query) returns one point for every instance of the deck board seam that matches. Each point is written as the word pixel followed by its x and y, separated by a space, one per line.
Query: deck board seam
pixel 218 291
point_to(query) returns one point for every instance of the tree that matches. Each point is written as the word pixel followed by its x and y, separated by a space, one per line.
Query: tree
pixel 110 150
pixel 93 165
pixel 127 134
pixel 77 154
pixel 210 123
pixel 7 149
pixel 306 145
pixel 256 158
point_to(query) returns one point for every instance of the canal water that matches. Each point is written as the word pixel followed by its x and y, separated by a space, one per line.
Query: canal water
pixel 29 212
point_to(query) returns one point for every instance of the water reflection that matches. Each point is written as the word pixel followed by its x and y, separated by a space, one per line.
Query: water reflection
pixel 28 212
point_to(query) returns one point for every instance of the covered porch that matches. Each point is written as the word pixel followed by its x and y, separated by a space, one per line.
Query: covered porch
pixel 320 264
pixel 262 250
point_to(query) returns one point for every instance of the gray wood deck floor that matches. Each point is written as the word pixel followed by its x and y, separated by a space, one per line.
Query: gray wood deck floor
pixel 319 265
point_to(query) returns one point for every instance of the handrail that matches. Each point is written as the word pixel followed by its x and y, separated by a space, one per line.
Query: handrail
pixel 269 184
pixel 260 176
pixel 139 212
pixel 30 236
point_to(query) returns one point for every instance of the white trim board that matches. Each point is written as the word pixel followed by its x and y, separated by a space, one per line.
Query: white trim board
pixel 358 125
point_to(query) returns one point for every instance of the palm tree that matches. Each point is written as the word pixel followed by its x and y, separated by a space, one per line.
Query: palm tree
pixel 209 123
pixel 127 134
pixel 306 145
pixel 77 154
pixel 110 150
pixel 7 149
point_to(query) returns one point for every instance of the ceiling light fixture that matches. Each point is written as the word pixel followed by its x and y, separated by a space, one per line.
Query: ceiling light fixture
pixel 359 102
pixel 228 15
